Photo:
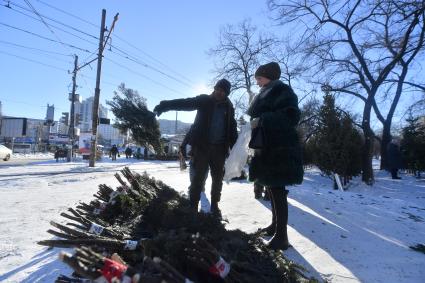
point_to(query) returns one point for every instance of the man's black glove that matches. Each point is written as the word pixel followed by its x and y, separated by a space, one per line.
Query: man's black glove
pixel 158 109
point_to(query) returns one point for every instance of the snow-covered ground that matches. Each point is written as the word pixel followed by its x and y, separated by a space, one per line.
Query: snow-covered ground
pixel 38 155
pixel 360 235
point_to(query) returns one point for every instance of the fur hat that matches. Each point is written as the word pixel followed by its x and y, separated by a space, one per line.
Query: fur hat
pixel 270 70
pixel 224 85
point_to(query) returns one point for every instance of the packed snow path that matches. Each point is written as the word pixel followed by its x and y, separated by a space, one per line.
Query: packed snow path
pixel 360 235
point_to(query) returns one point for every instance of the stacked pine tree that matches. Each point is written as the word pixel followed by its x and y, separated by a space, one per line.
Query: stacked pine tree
pixel 145 231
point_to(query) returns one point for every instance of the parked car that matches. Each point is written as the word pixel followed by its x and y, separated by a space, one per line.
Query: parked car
pixel 5 153
pixel 22 148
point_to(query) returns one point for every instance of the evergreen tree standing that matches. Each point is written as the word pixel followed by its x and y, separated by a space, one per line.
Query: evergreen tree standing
pixel 327 144
pixel 413 145
pixel 307 129
pixel 352 147
pixel 336 146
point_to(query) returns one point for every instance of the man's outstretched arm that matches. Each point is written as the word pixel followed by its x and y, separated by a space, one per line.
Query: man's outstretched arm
pixel 183 104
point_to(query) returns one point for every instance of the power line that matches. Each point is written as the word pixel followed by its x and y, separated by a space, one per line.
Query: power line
pixel 112 84
pixel 103 81
pixel 126 54
pixel 56 27
pixel 44 22
pixel 22 102
pixel 135 60
pixel 120 38
pixel 53 20
pixel 33 48
pixel 144 76
pixel 43 37
pixel 30 104
pixel 49 57
pixel 67 13
pixel 33 61
pixel 152 58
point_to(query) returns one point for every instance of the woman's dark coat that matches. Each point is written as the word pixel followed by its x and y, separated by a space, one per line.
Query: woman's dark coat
pixel 279 163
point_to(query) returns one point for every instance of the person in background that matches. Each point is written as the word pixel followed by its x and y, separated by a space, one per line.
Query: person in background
pixel 138 153
pixel 212 136
pixel 394 158
pixel 278 163
pixel 145 153
pixel 114 152
pixel 128 152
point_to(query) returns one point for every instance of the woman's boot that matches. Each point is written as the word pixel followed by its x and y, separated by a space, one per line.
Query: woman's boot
pixel 280 238
pixel 270 230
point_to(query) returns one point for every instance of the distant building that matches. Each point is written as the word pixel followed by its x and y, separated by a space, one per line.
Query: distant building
pixel 86 113
pixel 172 143
pixel 50 113
pixel 109 135
pixel 26 130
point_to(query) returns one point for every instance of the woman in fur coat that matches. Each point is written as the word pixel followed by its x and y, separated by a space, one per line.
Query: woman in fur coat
pixel 278 162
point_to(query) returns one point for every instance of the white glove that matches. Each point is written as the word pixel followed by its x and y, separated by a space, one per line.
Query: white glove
pixel 254 122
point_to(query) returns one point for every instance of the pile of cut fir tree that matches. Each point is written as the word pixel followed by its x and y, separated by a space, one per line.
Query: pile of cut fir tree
pixel 145 231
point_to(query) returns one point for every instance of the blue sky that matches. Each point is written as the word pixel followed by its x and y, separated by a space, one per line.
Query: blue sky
pixel 171 37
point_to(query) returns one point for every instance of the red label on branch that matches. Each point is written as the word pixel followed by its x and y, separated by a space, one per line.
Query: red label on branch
pixel 220 269
pixel 113 270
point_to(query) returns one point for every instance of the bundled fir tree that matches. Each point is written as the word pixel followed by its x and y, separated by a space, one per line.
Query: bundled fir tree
pixel 131 113
pixel 145 231
pixel 413 145
pixel 336 144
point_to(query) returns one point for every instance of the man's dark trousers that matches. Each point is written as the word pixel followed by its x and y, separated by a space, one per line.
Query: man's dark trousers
pixel 211 156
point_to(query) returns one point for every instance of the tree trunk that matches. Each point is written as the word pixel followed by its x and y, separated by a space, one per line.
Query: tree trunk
pixel 386 138
pixel 367 171
pixel 386 134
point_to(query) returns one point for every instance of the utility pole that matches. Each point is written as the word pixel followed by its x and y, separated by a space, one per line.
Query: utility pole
pixel 71 130
pixel 95 120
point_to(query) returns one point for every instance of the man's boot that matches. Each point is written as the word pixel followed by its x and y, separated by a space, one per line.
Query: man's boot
pixel 270 230
pixel 214 209
pixel 194 207
pixel 194 202
pixel 280 238
pixel 258 190
pixel 266 195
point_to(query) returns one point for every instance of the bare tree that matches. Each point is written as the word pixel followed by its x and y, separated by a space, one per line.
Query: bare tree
pixel 238 54
pixel 399 77
pixel 294 68
pixel 346 39
pixel 309 119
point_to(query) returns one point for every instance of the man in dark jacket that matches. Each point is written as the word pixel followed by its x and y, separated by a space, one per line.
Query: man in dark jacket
pixel 212 136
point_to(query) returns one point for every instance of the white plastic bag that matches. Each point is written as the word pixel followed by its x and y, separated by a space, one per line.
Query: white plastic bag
pixel 238 155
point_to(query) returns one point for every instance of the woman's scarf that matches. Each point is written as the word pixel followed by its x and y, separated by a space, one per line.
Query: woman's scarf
pixel 264 91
